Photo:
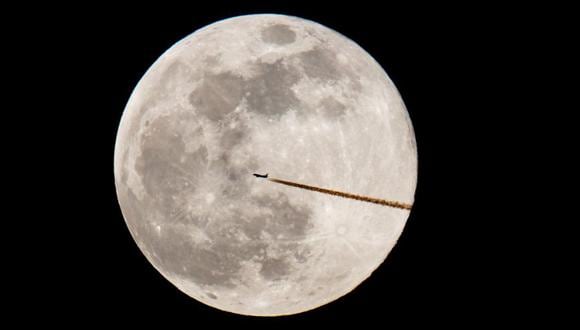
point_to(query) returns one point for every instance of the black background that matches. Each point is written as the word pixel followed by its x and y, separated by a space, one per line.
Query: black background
pixel 464 74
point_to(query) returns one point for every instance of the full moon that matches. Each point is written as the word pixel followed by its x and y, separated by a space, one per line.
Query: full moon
pixel 264 94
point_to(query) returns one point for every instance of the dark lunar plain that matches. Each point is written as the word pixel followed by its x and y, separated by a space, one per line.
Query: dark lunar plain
pixel 458 260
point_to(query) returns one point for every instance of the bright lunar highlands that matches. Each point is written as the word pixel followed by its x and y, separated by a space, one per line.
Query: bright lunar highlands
pixel 268 94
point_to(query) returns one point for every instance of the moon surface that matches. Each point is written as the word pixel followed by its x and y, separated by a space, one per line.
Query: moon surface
pixel 267 94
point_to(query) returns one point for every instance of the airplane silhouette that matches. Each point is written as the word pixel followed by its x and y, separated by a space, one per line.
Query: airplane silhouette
pixel 260 175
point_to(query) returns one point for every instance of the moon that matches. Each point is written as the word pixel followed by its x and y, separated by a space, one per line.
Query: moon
pixel 268 94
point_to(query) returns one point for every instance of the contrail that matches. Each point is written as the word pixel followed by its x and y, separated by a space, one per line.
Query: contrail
pixel 384 202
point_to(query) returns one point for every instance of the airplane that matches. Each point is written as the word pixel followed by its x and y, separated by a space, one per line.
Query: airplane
pixel 261 176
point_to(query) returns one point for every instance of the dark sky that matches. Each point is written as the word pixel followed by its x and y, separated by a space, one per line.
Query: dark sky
pixel 465 76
